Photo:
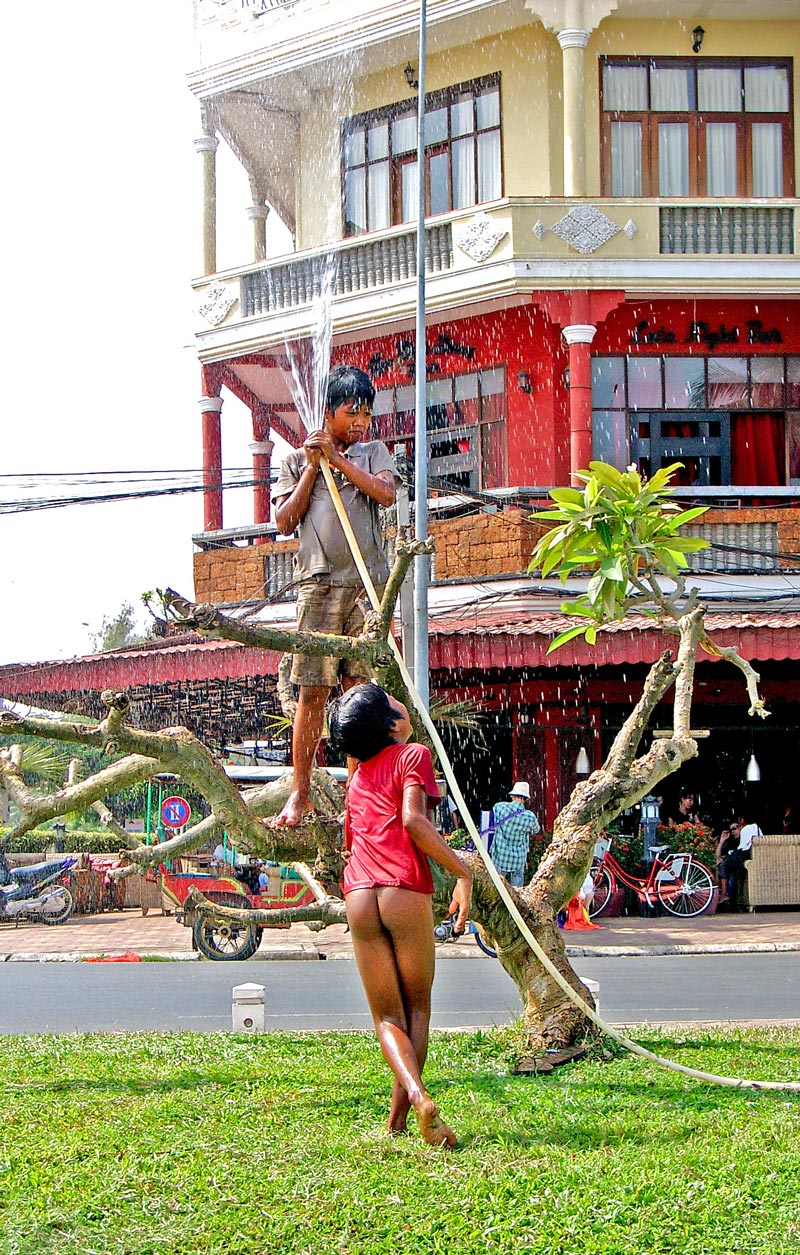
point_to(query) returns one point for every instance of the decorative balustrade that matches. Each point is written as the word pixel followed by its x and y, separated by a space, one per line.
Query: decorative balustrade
pixel 724 229
pixel 743 548
pixel 279 573
pixel 357 267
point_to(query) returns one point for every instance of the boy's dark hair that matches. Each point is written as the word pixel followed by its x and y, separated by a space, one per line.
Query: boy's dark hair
pixel 362 720
pixel 348 383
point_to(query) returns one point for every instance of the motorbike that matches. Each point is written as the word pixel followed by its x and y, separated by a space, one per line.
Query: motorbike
pixel 36 893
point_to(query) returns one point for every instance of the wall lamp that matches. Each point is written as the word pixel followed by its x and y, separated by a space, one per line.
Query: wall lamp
pixel 697 38
pixel 411 76
pixel 524 382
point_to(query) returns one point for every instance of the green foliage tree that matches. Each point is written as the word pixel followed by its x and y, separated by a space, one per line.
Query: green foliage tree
pixel 626 530
pixel 118 630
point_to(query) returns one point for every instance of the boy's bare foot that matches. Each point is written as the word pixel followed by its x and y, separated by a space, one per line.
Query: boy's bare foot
pixel 434 1131
pixel 298 805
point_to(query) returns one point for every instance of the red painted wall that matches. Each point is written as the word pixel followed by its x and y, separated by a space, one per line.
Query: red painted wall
pixel 523 338
pixel 519 339
pixel 617 333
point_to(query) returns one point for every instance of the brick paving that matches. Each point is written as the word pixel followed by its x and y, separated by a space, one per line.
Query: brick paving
pixel 157 934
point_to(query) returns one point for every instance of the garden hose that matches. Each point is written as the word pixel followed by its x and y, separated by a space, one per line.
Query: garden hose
pixel 497 880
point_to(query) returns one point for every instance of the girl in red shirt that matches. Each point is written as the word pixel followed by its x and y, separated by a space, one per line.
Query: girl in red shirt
pixel 388 889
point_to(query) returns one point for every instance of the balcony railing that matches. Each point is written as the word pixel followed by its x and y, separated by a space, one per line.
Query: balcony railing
pixel 723 229
pixel 507 244
pixel 359 267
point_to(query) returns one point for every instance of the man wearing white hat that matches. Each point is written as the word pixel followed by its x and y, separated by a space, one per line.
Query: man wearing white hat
pixel 512 826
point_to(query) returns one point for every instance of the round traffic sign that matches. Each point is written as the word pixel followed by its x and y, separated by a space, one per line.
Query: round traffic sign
pixel 175 812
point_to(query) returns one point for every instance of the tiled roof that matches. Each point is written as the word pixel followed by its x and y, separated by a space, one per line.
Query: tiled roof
pixel 492 634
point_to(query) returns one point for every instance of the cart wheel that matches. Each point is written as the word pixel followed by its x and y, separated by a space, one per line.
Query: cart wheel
pixel 226 939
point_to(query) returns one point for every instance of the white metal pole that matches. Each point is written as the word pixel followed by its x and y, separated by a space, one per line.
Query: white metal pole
pixel 421 425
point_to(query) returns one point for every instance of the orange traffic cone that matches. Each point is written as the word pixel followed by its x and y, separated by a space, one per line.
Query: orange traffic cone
pixel 578 916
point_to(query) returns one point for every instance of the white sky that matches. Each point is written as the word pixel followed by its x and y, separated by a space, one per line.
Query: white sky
pixel 102 237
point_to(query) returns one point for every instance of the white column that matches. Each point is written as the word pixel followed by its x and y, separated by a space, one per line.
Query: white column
pixel 258 214
pixel 573 43
pixel 206 145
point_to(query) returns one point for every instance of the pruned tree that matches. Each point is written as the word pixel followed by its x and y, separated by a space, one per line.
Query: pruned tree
pixel 623 529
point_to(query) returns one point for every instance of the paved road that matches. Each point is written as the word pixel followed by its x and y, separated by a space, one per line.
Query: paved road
pixel 66 998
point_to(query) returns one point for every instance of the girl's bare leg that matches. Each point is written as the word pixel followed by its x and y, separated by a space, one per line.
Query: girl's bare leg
pixel 392 932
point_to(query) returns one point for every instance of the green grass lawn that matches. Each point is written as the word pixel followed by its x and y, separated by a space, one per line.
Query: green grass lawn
pixel 159 1144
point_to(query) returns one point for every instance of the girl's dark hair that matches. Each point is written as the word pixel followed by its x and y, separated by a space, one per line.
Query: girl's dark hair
pixel 348 383
pixel 361 721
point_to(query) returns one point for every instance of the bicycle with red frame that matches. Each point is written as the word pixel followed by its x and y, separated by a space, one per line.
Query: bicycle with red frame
pixel 678 882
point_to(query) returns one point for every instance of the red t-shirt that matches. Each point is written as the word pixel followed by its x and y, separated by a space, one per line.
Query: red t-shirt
pixel 381 851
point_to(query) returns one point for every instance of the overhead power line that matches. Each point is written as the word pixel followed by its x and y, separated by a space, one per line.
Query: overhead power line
pixel 22 494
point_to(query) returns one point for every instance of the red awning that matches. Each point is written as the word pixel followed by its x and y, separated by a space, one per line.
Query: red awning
pixel 493 638
pixel 513 640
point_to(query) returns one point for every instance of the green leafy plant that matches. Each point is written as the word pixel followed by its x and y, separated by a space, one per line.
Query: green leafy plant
pixel 40 840
pixel 623 528
pixel 463 714
pixel 628 850
pixel 697 839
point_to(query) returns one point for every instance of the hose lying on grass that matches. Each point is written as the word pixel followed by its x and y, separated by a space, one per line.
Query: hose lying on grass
pixel 461 806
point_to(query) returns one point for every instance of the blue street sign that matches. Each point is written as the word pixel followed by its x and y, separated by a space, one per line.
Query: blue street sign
pixel 175 812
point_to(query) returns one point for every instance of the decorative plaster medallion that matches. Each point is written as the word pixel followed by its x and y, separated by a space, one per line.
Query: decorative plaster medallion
pixel 585 228
pixel 217 303
pixel 630 229
pixel 539 229
pixel 480 237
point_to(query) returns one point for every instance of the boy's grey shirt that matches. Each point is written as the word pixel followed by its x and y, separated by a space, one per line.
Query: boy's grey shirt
pixel 324 551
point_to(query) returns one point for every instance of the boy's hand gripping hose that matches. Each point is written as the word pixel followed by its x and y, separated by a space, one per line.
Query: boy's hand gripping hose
pixel 461 806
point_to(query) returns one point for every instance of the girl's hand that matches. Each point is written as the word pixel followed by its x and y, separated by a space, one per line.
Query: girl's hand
pixel 459 906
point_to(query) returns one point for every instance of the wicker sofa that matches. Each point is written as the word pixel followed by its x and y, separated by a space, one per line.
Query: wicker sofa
pixel 773 872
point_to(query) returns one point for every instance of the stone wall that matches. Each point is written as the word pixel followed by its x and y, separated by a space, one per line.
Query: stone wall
pixel 484 544
pixel 235 573
pixel 476 545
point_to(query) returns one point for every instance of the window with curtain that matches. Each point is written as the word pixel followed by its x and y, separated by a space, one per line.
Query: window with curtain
pixel 729 419
pixel 674 128
pixel 466 428
pixel 462 157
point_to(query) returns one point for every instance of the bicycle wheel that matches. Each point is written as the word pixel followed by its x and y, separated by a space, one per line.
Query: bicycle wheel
pixel 481 944
pixel 603 888
pixel 688 889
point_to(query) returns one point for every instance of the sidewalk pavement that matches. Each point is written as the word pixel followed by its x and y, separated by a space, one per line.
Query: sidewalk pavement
pixel 157 935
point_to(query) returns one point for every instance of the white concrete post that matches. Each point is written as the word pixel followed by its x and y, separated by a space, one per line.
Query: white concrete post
pixel 594 989
pixel 248 1008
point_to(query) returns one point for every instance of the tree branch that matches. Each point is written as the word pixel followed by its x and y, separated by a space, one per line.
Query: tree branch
pixel 751 676
pixel 370 651
pixel 37 808
pixel 327 911
pixel 626 743
pixel 404 554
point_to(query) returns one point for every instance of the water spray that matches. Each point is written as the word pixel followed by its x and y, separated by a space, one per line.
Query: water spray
pixel 313 411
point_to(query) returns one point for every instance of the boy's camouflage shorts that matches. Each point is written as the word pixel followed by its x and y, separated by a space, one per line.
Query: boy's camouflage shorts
pixel 336 608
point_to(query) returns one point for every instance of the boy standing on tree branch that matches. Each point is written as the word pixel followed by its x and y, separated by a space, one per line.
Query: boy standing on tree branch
pixel 331 596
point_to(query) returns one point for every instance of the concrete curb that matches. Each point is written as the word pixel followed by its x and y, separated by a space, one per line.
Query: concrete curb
pixel 297 953
pixel 275 954
pixel 643 952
